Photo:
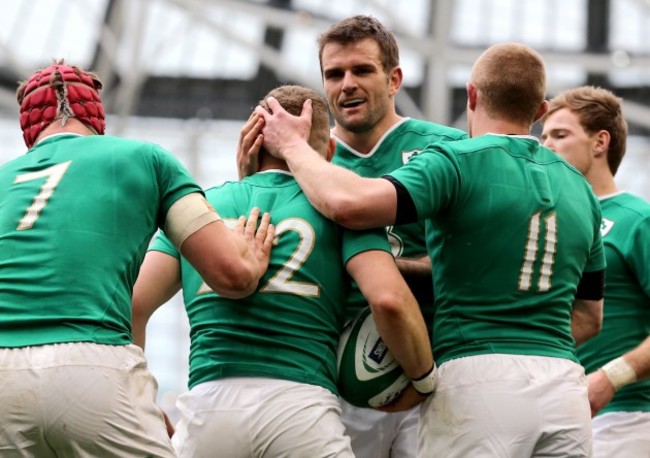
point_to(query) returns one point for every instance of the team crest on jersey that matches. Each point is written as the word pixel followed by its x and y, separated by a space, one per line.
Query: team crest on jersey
pixel 606 225
pixel 406 155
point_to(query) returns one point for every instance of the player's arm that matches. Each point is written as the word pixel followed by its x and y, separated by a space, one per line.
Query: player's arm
pixel 624 370
pixel 586 319
pixel 159 279
pixel 635 364
pixel 417 273
pixel 339 194
pixel 639 360
pixel 397 317
pixel 231 262
pixel 587 311
pixel 415 267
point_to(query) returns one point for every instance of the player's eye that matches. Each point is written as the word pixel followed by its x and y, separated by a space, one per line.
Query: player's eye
pixel 363 70
pixel 333 75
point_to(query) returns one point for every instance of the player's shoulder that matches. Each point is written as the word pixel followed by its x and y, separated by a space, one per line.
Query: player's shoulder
pixel 229 189
pixel 525 147
pixel 98 148
pixel 476 144
pixel 222 187
pixel 270 181
pixel 14 163
pixel 439 132
pixel 129 149
pixel 628 202
pixel 466 146
pixel 124 142
pixel 278 192
pixel 626 218
pixel 513 143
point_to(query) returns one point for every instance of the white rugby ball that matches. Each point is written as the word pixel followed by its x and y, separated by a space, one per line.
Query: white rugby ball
pixel 368 375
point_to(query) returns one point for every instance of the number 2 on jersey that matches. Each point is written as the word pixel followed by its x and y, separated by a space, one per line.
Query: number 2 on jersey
pixel 530 255
pixel 54 175
pixel 281 281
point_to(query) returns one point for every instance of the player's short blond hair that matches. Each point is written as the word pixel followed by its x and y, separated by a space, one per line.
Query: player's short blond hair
pixel 292 98
pixel 511 80
pixel 597 109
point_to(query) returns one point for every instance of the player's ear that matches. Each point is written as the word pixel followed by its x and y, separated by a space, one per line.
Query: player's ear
pixel 396 77
pixel 543 108
pixel 472 96
pixel 603 139
pixel 331 148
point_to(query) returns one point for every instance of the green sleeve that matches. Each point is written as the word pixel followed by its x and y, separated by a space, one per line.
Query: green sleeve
pixel 161 243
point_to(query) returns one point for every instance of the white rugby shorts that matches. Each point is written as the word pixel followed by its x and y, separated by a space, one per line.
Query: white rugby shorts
pixel 247 417
pixel 497 405
pixel 622 435
pixel 79 399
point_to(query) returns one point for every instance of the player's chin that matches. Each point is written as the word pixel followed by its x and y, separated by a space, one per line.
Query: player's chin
pixel 355 122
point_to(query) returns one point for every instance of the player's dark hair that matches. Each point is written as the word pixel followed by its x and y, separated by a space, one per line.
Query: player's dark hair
pixel 361 27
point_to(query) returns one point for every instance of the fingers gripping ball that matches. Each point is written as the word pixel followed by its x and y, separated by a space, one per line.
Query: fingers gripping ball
pixel 368 375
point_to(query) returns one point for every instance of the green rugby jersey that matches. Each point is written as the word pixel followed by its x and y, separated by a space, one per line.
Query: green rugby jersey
pixel 392 151
pixel 76 216
pixel 289 328
pixel 511 227
pixel 626 323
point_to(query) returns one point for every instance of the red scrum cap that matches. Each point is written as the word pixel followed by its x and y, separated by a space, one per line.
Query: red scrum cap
pixel 59 92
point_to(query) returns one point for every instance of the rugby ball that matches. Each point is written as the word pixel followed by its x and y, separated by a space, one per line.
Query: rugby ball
pixel 368 375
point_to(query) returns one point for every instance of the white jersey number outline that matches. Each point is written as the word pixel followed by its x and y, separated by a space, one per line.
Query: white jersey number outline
pixel 54 175
pixel 530 256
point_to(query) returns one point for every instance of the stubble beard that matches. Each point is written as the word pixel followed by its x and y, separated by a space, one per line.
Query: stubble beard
pixel 359 126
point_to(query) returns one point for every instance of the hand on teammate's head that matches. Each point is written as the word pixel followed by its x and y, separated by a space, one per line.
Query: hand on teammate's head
pixel 249 146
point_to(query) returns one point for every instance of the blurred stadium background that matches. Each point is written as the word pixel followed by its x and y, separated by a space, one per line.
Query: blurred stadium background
pixel 186 73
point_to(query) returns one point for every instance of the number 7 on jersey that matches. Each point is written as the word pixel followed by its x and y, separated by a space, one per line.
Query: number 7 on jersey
pixel 54 175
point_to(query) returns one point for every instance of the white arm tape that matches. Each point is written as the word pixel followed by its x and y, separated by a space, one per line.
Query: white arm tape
pixel 186 216
pixel 426 384
pixel 619 372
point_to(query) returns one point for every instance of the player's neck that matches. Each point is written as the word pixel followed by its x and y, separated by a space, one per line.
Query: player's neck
pixel 268 162
pixel 601 180
pixel 482 123
pixel 500 127
pixel 71 126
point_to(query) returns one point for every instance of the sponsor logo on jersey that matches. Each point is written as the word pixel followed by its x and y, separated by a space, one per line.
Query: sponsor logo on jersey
pixel 406 155
pixel 606 225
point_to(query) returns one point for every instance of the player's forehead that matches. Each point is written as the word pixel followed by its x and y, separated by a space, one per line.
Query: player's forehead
pixel 562 119
pixel 358 53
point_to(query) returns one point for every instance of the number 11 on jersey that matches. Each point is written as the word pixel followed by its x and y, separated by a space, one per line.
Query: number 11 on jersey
pixel 532 248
